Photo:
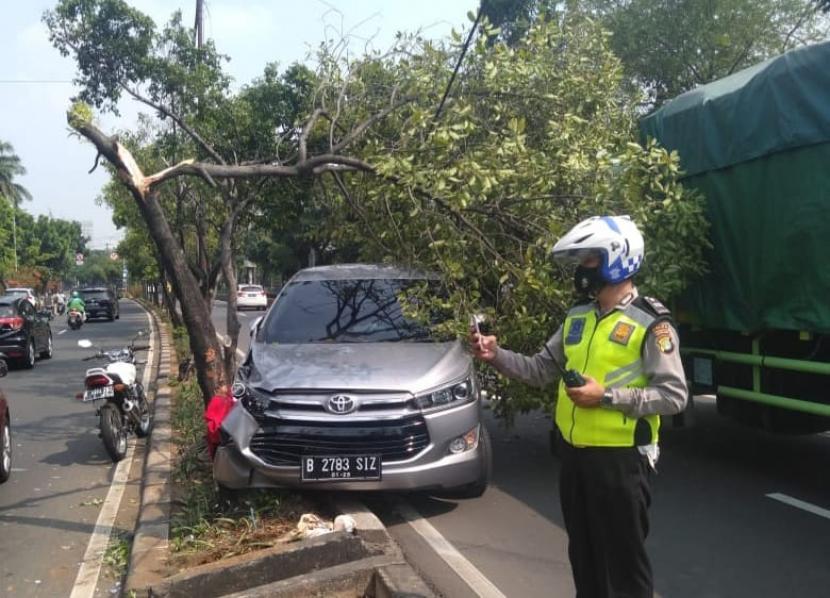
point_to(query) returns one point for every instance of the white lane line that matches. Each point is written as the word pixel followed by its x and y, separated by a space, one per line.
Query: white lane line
pixel 87 578
pixel 62 331
pixel 474 578
pixel 800 504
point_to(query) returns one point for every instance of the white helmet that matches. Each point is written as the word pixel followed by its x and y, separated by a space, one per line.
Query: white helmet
pixel 615 238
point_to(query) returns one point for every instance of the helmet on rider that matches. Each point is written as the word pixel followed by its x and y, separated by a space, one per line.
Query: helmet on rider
pixel 75 294
pixel 614 240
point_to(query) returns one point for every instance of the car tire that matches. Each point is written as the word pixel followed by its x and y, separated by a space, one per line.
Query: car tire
pixel 6 450
pixel 47 353
pixel 28 361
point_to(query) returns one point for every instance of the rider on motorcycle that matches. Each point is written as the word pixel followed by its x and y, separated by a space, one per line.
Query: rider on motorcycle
pixel 76 303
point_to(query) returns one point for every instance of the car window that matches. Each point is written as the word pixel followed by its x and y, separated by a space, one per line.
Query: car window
pixel 250 289
pixel 87 295
pixel 344 311
pixel 16 293
pixel 7 311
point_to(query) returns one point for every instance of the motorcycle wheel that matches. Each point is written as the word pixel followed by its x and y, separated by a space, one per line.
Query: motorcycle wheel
pixel 113 432
pixel 29 360
pixel 143 428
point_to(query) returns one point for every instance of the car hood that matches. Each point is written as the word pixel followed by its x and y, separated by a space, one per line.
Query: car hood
pixel 402 366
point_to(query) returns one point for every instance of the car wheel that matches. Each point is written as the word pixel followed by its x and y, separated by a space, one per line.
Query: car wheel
pixel 29 359
pixel 47 353
pixel 6 450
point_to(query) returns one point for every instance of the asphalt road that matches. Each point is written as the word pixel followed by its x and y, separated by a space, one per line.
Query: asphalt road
pixel 61 473
pixel 716 529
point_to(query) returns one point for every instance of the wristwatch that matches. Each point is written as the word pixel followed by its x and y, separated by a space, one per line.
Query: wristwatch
pixel 607 398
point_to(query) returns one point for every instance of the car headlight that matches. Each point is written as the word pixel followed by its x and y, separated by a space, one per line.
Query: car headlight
pixel 448 396
pixel 254 401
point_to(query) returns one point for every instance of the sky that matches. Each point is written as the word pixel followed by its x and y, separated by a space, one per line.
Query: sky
pixel 36 81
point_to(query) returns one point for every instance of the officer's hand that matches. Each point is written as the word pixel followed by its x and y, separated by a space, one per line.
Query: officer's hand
pixel 483 347
pixel 587 395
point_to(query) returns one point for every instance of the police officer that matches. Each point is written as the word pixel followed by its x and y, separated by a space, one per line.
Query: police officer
pixel 625 347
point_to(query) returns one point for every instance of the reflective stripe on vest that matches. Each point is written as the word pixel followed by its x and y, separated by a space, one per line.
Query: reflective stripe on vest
pixel 609 350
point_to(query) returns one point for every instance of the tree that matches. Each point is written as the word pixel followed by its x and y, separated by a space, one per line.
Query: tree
pixel 14 193
pixel 535 136
pixel 118 51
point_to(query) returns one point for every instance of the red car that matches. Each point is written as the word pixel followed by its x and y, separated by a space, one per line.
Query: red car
pixel 5 430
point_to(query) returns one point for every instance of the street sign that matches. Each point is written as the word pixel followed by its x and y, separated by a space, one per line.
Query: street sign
pixel 79 259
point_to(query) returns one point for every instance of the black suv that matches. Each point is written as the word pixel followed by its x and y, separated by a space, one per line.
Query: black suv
pixel 24 332
pixel 100 302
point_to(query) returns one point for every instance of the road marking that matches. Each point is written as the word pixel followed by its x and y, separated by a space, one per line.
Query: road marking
pixel 474 578
pixel 87 578
pixel 800 504
pixel 62 331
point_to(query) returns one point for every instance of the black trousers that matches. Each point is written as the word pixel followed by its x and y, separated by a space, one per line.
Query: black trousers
pixel 605 497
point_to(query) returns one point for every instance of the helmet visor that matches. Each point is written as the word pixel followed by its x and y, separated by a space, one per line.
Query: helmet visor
pixel 576 256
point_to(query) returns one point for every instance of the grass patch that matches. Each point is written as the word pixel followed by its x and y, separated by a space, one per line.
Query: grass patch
pixel 209 525
pixel 117 554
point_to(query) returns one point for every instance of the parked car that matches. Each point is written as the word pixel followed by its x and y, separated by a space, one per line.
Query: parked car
pixel 24 332
pixel 251 296
pixel 340 390
pixel 100 302
pixel 5 430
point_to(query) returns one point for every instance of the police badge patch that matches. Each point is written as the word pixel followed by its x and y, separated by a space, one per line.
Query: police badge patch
pixel 663 337
pixel 621 333
pixel 575 331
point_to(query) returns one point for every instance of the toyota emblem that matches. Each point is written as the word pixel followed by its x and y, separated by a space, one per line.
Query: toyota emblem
pixel 342 404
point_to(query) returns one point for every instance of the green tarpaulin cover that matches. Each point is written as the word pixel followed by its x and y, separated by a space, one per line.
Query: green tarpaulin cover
pixel 757 145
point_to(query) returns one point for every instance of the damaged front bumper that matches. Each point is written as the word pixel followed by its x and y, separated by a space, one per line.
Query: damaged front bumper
pixel 434 468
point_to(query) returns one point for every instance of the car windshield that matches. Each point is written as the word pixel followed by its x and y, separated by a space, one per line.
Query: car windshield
pixel 7 310
pixel 250 289
pixel 87 295
pixel 343 311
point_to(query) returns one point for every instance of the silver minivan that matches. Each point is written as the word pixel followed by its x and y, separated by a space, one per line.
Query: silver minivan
pixel 341 391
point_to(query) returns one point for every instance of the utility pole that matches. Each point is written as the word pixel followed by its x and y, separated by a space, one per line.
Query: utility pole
pixel 199 27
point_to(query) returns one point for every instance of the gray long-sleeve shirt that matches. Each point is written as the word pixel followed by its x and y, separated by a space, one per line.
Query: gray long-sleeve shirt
pixel 665 394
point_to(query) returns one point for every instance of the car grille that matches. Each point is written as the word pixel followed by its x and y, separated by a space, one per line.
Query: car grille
pixel 283 443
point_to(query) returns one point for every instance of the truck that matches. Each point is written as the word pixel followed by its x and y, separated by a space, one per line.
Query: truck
pixel 755 330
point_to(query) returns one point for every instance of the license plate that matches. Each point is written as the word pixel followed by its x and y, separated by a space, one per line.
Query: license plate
pixel 342 467
pixel 252 295
pixel 95 394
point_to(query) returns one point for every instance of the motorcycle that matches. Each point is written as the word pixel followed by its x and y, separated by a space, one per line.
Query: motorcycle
pixel 75 319
pixel 125 409
pixel 60 308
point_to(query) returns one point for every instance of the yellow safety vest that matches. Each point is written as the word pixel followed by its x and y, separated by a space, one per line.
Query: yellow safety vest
pixel 608 349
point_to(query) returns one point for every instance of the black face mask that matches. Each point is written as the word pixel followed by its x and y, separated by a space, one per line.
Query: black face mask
pixel 588 281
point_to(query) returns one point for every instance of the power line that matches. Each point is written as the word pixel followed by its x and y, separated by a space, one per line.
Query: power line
pixel 36 81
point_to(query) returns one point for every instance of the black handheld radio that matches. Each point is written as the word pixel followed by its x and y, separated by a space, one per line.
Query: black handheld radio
pixel 571 378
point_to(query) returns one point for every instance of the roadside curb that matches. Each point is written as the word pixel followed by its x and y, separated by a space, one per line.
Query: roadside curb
pixel 148 556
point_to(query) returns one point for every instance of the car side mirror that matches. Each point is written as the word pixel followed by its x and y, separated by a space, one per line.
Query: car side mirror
pixel 4 368
pixel 255 325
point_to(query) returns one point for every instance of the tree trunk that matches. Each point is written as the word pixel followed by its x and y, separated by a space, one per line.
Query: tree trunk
pixel 207 352
pixel 226 255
